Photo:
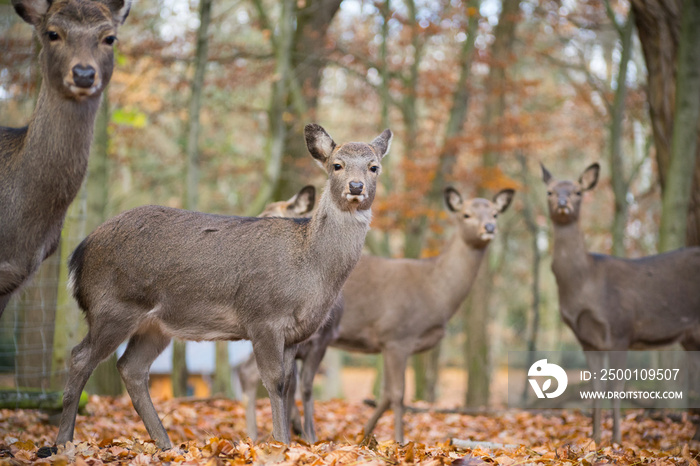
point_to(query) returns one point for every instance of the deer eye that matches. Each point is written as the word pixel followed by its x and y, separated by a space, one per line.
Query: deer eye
pixel 578 193
pixel 495 215
pixel 53 36
pixel 467 216
pixel 337 167
pixel 549 193
pixel 110 40
pixel 374 168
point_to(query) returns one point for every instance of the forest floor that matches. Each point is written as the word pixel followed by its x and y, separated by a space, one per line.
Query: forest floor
pixel 212 432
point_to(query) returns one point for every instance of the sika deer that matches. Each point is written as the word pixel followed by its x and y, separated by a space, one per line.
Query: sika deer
pixel 399 307
pixel 310 352
pixel 153 273
pixel 42 165
pixel 615 304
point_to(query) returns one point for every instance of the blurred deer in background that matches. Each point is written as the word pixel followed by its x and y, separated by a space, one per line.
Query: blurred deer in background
pixel 153 273
pixel 614 304
pixel 42 165
pixel 399 307
pixel 310 352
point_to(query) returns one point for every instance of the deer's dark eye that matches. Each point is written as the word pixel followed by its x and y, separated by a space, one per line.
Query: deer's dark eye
pixel 549 193
pixel 467 216
pixel 337 167
pixel 110 40
pixel 52 35
pixel 374 169
pixel 578 193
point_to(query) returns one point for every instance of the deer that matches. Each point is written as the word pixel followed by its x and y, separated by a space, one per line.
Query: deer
pixel 43 164
pixel 399 307
pixel 613 304
pixel 309 352
pixel 153 273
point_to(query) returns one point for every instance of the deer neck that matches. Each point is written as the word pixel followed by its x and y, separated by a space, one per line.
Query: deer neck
pixel 570 259
pixel 57 146
pixel 336 238
pixel 455 270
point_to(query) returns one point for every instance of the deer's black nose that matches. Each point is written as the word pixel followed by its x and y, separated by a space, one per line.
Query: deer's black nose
pixel 83 76
pixel 490 228
pixel 356 188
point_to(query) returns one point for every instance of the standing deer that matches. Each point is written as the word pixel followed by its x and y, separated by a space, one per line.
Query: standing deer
pixel 43 164
pixel 153 273
pixel 310 352
pixel 399 307
pixel 614 304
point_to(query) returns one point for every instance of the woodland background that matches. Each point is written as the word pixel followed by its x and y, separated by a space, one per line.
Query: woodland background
pixel 208 101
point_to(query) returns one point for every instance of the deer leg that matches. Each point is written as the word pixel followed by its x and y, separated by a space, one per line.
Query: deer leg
pixel 595 360
pixel 308 372
pixel 250 376
pixel 95 347
pixel 293 410
pixel 272 358
pixel 383 403
pixel 618 359
pixel 142 350
pixel 395 367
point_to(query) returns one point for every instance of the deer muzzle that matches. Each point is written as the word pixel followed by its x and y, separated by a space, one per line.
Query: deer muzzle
pixel 83 80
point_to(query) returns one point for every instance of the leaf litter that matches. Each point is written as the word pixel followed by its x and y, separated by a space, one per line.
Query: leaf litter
pixel 212 432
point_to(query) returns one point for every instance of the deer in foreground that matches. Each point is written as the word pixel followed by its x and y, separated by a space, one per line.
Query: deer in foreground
pixel 310 352
pixel 616 304
pixel 42 165
pixel 153 273
pixel 399 307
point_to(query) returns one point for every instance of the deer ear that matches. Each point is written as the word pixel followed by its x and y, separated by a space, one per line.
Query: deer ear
pixel 382 143
pixel 303 202
pixel 546 176
pixel 319 143
pixel 453 199
pixel 589 177
pixel 503 199
pixel 31 10
pixel 119 8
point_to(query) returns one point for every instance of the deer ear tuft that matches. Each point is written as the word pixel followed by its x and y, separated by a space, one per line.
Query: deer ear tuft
pixel 303 202
pixel 589 178
pixel 546 176
pixel 31 11
pixel 453 199
pixel 382 143
pixel 119 8
pixel 319 142
pixel 503 199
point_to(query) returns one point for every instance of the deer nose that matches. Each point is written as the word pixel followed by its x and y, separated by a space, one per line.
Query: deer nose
pixel 83 76
pixel 356 188
pixel 562 202
pixel 490 228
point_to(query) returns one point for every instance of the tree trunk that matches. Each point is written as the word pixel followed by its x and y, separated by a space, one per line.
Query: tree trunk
pixel 179 363
pixel 477 317
pixel 275 147
pixel 659 28
pixel 679 178
pixel 617 172
pixel 105 379
pixel 426 368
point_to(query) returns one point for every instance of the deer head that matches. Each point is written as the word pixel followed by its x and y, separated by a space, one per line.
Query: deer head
pixel 352 167
pixel 77 38
pixel 476 218
pixel 564 197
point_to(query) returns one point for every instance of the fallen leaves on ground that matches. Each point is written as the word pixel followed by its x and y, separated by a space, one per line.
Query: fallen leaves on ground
pixel 212 432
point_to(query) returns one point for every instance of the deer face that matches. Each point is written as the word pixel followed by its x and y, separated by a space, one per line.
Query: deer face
pixel 477 218
pixel 352 168
pixel 297 206
pixel 564 197
pixel 77 38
